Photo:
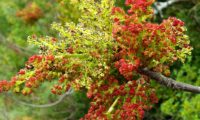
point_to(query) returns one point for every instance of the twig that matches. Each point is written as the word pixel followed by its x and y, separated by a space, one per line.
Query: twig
pixel 70 91
pixel 157 10
pixel 159 6
pixel 169 82
pixel 4 114
pixel 17 49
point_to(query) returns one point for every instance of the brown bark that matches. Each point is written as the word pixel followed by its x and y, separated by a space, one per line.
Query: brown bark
pixel 169 82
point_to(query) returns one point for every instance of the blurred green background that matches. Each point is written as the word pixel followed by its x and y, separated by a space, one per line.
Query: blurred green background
pixel 22 18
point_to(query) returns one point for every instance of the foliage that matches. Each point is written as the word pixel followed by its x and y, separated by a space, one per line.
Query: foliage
pixel 68 11
pixel 174 104
pixel 103 54
pixel 184 105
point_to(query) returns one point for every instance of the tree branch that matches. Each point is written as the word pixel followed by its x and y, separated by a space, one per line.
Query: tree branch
pixel 4 114
pixel 159 6
pixel 70 91
pixel 169 82
pixel 17 49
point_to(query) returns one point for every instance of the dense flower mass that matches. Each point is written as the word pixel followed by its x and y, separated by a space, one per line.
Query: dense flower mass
pixel 127 101
pixel 103 53
pixel 155 45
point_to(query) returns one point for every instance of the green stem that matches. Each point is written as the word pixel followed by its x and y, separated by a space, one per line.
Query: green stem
pixel 113 105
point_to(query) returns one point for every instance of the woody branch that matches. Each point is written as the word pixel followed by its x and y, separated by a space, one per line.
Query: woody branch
pixel 169 82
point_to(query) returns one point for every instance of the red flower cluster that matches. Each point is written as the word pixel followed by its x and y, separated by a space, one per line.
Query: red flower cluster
pixel 126 68
pixel 5 85
pixel 57 89
pixel 116 101
pixel 138 4
pixel 21 72
pixel 38 69
pixel 37 58
pixel 153 44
